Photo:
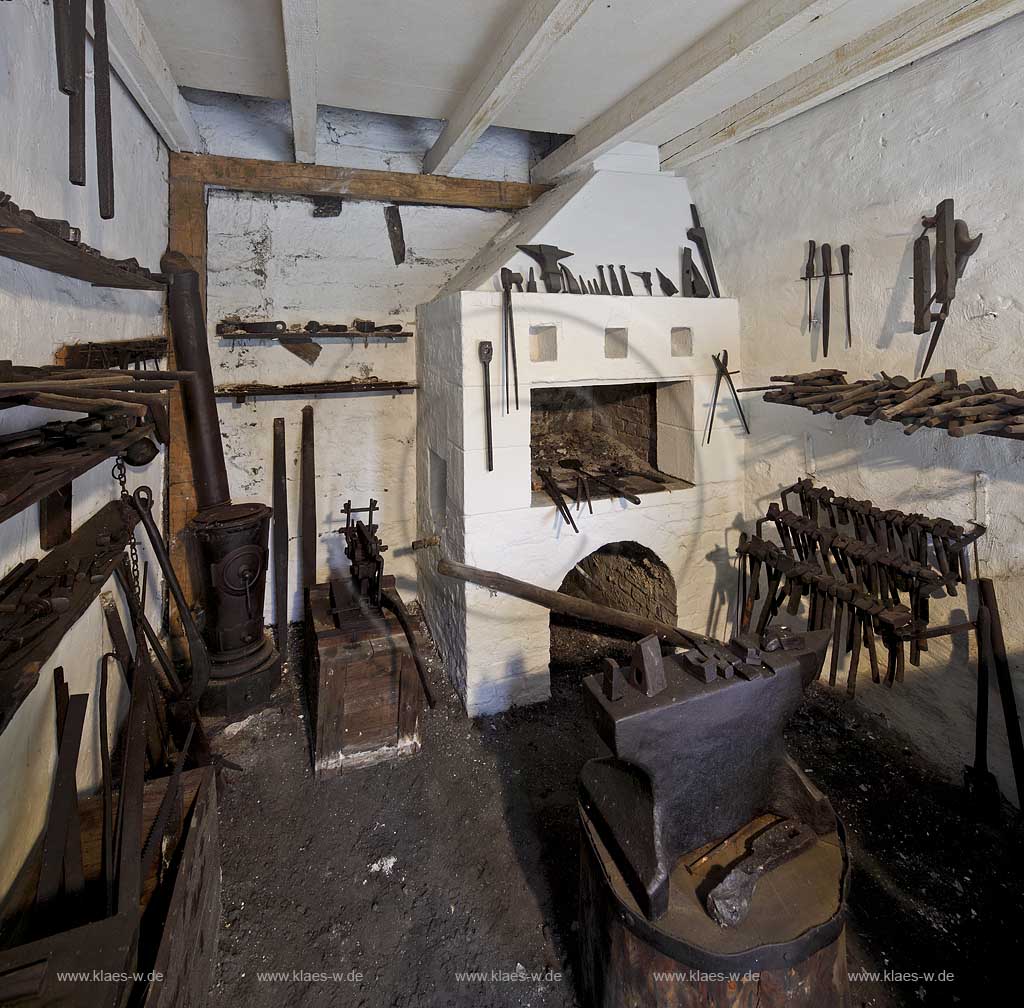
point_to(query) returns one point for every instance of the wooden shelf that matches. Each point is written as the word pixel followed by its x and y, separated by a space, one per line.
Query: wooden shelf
pixel 44 475
pixel 99 545
pixel 29 243
pixel 242 392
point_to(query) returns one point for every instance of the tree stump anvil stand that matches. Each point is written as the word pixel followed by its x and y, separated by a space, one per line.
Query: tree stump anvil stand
pixel 790 950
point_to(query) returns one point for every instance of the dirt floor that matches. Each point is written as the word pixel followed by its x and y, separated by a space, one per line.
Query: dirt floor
pixel 387 886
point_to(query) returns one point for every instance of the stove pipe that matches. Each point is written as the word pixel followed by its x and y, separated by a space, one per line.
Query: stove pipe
pixel 232 539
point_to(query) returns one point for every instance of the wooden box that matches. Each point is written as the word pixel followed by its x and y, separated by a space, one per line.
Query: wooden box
pixel 363 680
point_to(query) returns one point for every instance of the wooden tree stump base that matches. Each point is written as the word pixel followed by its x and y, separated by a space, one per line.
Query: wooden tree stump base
pixel 790 951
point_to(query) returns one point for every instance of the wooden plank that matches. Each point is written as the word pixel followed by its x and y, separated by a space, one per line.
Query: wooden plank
pixel 909 36
pixel 525 45
pixel 187 954
pixel 737 42
pixel 248 175
pixel 137 60
pixel 301 37
pixel 20 665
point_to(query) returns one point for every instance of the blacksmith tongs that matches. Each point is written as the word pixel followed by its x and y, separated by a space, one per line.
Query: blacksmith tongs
pixel 722 367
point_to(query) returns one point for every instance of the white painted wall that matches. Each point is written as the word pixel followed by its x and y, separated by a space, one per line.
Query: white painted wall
pixel 269 258
pixel 236 126
pixel 862 169
pixel 40 312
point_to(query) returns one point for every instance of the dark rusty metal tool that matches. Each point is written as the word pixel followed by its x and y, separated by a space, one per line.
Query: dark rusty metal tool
pixel 646 280
pixel 101 110
pixel 76 100
pixel 571 284
pixel 107 840
pixel 723 373
pixel 693 284
pixel 280 541
pixel 531 282
pixel 671 785
pixel 547 258
pixel 396 235
pixel 602 286
pixel 307 503
pixel 486 352
pixel 809 270
pixel 142 501
pixel 699 236
pixel 826 296
pixel 62 44
pixel 979 782
pixel 552 489
pixel 390 599
pixel 627 288
pixel 508 281
pixel 668 288
pixel 583 286
pixel 729 902
pixel 844 258
pixel 575 465
pixel 613 281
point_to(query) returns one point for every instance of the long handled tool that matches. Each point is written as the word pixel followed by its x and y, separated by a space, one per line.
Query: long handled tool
pixel 142 501
pixel 76 101
pixel 486 351
pixel 307 502
pixel 280 477
pixel 809 270
pixel 552 489
pixel 101 110
pixel 699 237
pixel 844 258
pixel 575 465
pixel 723 373
pixel 826 296
pixel 508 281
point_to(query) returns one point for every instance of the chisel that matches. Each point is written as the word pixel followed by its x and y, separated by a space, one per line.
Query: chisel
pixel 844 257
pixel 812 253
pixel 826 295
pixel 613 280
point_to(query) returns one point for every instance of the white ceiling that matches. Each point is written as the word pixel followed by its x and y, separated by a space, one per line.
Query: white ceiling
pixel 417 57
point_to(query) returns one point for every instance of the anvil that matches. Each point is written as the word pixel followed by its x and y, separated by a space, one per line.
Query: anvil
pixel 698 751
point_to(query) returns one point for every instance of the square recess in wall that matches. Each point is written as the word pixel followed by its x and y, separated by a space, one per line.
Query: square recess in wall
pixel 616 343
pixel 682 341
pixel 543 343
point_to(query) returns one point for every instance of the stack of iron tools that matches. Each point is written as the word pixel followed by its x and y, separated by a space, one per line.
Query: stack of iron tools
pixel 69 30
pixel 297 338
pixel 876 569
pixel 826 276
pixel 959 408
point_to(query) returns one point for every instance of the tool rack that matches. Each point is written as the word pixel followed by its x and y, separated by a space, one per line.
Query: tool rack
pixel 256 391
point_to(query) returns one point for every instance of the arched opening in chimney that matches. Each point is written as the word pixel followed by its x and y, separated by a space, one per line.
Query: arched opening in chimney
pixel 622 575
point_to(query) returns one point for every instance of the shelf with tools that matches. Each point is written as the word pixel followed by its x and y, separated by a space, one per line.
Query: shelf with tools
pixel 304 340
pixel 40 600
pixel 948 404
pixel 56 246
pixel 256 391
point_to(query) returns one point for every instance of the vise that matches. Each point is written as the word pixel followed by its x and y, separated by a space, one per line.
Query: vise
pixel 697 751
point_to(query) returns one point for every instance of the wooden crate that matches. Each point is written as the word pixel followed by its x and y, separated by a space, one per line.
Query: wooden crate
pixel 362 678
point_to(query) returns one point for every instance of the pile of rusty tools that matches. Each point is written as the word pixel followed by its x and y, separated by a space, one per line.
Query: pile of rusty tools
pixel 69 30
pixel 953 249
pixel 87 912
pixel 612 479
pixel 826 276
pixel 878 569
pixel 15 222
pixel 297 338
pixel 722 372
pixel 947 403
pixel 613 280
pixel 144 352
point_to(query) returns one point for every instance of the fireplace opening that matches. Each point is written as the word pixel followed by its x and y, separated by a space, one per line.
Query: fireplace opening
pixel 623 575
pixel 612 430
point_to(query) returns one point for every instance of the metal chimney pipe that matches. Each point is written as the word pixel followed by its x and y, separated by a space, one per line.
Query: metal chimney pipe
pixel 191 352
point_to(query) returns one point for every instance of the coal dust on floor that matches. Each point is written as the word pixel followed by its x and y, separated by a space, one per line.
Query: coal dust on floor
pixel 450 879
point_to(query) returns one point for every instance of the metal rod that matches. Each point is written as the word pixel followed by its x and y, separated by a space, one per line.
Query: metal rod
pixel 280 478
pixel 101 106
pixel 568 605
pixel 307 502
pixel 76 100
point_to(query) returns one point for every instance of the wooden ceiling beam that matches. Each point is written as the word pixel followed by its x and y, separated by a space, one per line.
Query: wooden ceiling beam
pixel 910 36
pixel 535 29
pixel 247 175
pixel 739 41
pixel 301 38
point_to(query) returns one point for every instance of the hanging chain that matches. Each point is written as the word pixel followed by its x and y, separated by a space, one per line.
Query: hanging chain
pixel 120 473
